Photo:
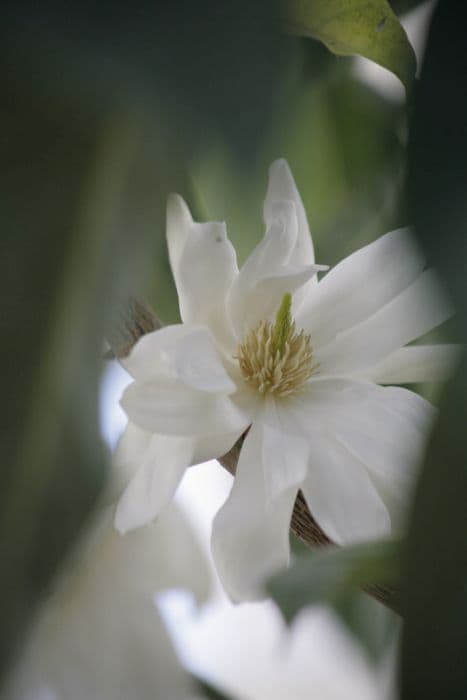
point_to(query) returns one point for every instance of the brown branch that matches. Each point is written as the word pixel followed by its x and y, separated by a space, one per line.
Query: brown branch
pixel 136 320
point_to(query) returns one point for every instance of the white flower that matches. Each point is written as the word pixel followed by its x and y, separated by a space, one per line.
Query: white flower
pixel 297 362
pixel 98 635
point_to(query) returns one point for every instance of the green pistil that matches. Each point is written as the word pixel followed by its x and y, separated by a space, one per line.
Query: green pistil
pixel 283 324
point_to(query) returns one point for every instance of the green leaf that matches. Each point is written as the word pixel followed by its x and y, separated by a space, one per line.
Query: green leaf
pixel 366 28
pixel 373 625
pixel 434 643
pixel 77 215
pixel 329 575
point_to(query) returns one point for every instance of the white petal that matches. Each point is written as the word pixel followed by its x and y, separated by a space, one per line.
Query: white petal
pixel 265 298
pixel 282 187
pixel 284 454
pixel 149 467
pixel 250 536
pixel 203 263
pixel 341 495
pixel 155 482
pixel 388 432
pixel 268 274
pixel 360 285
pixel 382 430
pixel 128 455
pixel 179 223
pixel 416 363
pixel 183 352
pixel 171 408
pixel 208 447
pixel 418 309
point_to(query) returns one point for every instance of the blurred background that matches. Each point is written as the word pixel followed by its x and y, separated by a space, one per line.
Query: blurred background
pixel 105 110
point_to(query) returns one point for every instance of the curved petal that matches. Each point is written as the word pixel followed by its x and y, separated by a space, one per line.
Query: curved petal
pixel 155 482
pixel 282 187
pixel 172 408
pixel 151 467
pixel 208 447
pixel 418 309
pixel 416 363
pixel 341 495
pixel 250 536
pixel 360 285
pixel 388 433
pixel 203 263
pixel 179 223
pixel 186 353
pixel 381 429
pixel 268 274
pixel 266 296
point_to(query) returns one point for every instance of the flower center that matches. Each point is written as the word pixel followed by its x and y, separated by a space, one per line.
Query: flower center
pixel 273 358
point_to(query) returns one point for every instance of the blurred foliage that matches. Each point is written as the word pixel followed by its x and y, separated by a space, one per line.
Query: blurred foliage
pixel 401 7
pixel 93 138
pixel 70 196
pixel 208 691
pixel 366 28
pixel 374 626
pixel 330 574
pixel 435 633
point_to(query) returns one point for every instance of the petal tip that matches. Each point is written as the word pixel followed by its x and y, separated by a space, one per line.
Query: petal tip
pixel 177 212
pixel 279 164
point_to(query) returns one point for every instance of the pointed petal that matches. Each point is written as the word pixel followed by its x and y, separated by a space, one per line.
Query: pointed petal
pixel 172 408
pixel 341 495
pixel 418 309
pixel 186 353
pixel 203 263
pixel 147 469
pixel 388 433
pixel 155 482
pixel 268 274
pixel 382 430
pixel 416 363
pixel 179 223
pixel 128 455
pixel 250 536
pixel 282 187
pixel 360 285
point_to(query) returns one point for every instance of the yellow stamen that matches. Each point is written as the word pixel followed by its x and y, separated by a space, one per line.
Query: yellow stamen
pixel 273 358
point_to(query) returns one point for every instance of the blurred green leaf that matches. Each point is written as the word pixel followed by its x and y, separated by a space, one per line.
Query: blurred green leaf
pixel 435 576
pixel 102 109
pixel 400 7
pixel 80 200
pixel 210 67
pixel 372 624
pixel 366 28
pixel 208 691
pixel 328 575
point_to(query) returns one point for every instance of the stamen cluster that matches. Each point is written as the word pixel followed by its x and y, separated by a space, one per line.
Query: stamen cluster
pixel 274 358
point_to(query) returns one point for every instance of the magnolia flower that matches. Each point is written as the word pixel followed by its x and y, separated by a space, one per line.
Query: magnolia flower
pixel 99 636
pixel 298 364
